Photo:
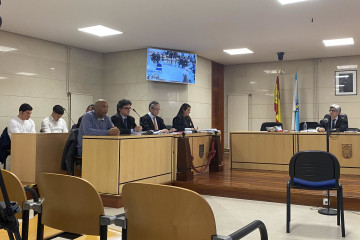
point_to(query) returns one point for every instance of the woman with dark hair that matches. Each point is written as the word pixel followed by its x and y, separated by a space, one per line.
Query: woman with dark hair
pixel 182 119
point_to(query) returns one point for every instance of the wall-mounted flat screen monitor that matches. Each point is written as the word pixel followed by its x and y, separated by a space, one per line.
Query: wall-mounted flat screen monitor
pixel 170 66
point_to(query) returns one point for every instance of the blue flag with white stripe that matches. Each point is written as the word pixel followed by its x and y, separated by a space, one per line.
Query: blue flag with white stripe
pixel 295 125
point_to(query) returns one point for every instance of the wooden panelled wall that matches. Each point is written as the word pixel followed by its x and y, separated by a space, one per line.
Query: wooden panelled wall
pixel 217 98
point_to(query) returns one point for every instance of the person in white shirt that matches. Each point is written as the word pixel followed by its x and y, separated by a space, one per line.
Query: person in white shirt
pixel 22 123
pixel 54 123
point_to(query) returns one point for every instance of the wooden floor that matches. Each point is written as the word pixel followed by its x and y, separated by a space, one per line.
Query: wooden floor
pixel 268 186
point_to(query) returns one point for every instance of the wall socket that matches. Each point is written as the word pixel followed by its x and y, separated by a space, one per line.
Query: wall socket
pixel 326 201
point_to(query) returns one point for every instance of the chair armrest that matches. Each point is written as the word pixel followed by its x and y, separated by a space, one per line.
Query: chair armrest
pixel 36 206
pixel 257 224
pixel 108 220
pixel 121 221
pixel 32 193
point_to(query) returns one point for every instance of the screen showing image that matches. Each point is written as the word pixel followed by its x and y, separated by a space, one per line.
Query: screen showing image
pixel 170 66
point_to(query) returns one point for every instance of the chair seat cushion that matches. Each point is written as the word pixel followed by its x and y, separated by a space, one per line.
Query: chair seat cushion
pixel 323 184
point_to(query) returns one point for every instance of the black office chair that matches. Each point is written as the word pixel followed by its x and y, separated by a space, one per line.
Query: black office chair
pixel 269 124
pixel 315 170
pixel 310 125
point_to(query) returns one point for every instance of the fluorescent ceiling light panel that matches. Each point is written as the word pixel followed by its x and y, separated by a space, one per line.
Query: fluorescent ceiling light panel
pixel 3 77
pixel 7 49
pixel 283 2
pixel 238 51
pixel 26 74
pixel 100 31
pixel 338 42
pixel 347 67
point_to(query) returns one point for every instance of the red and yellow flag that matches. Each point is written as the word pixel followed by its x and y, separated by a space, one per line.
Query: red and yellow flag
pixel 277 108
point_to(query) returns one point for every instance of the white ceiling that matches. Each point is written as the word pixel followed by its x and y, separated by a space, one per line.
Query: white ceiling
pixel 204 27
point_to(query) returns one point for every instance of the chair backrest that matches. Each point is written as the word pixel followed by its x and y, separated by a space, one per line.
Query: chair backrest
pixel 165 212
pixel 310 125
pixel 315 166
pixel 14 188
pixel 269 124
pixel 70 204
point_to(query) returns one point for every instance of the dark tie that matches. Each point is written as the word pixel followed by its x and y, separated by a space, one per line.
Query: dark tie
pixel 333 123
pixel 125 123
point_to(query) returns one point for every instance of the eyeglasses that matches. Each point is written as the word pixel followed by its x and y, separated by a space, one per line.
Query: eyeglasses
pixel 332 110
pixel 127 108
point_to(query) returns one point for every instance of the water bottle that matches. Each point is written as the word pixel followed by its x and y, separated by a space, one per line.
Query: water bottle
pixel 305 126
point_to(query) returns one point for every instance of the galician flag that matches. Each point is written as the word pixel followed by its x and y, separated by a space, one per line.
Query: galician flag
pixel 295 125
pixel 277 108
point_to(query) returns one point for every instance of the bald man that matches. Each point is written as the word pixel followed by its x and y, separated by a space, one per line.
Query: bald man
pixel 96 123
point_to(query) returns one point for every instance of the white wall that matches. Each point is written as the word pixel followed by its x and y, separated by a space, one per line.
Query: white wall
pixel 316 79
pixel 48 88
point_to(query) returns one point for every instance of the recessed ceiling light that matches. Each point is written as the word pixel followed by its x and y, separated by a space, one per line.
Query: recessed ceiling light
pixel 7 49
pixel 283 2
pixel 52 68
pixel 100 31
pixel 26 74
pixel 338 42
pixel 252 82
pixel 3 77
pixel 238 51
pixel 347 67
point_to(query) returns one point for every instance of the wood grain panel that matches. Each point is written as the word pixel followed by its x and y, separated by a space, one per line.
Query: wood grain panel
pixel 100 164
pixel 144 158
pixel 261 148
pixel 23 156
pixel 196 142
pixel 311 142
pixel 336 147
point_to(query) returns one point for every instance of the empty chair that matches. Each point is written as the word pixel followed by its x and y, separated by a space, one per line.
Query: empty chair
pixel 269 124
pixel 315 170
pixel 310 125
pixel 72 204
pixel 161 212
pixel 17 194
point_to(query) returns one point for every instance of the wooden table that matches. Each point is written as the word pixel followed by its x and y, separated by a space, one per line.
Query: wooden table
pixel 272 151
pixel 33 153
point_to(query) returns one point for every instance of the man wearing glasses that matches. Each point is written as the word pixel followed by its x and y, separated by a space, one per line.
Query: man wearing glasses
pixel 335 121
pixel 122 119
pixel 152 121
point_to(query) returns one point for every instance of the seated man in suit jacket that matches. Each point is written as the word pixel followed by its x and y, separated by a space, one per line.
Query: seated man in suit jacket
pixel 334 121
pixel 152 121
pixel 122 119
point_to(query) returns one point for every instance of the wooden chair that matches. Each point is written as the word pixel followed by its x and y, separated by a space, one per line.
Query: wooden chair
pixel 17 194
pixel 165 212
pixel 73 205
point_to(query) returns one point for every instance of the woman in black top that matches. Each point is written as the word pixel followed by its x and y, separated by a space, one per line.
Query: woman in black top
pixel 183 120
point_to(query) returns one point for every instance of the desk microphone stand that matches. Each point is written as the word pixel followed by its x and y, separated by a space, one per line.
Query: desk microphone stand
pixel 328 210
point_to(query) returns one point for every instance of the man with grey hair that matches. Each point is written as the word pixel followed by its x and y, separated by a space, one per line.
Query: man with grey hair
pixel 96 123
pixel 152 121
pixel 334 121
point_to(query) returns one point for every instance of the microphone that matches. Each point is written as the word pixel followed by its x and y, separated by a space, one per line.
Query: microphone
pixel 69 116
pixel 136 112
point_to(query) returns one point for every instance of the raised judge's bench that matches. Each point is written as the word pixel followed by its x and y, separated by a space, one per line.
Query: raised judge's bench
pixel 273 150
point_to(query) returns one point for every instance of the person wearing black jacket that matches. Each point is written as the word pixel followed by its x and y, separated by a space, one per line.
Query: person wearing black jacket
pixel 151 121
pixel 182 119
pixel 335 121
pixel 122 119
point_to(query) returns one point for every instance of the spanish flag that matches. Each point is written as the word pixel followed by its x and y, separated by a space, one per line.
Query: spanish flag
pixel 277 108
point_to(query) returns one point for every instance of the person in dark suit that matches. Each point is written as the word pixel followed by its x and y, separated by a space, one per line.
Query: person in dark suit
pixel 122 119
pixel 334 121
pixel 152 121
pixel 88 109
pixel 182 119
